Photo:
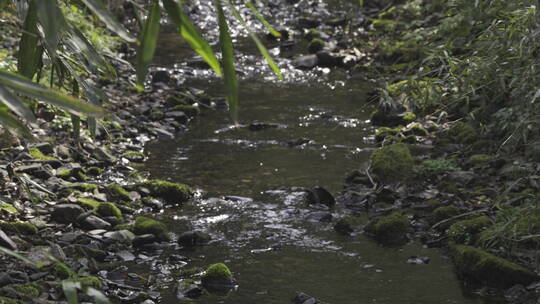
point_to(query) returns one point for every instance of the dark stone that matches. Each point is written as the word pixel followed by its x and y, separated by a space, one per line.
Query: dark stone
pixel 143 239
pixel 302 298
pixel 218 284
pixel 319 216
pixel 305 62
pixel 414 260
pixel 178 116
pixel 259 126
pixel 388 117
pixel 191 291
pixel 307 23
pixel 45 172
pixel 319 195
pixel 339 21
pixel 6 242
pixel 45 147
pixel 94 222
pixel 193 238
pixel 29 168
pixel 66 213
pixel 160 76
pixel 518 294
pixel 326 59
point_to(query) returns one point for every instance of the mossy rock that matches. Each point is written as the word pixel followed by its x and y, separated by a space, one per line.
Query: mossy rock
pixel 8 208
pixel 86 282
pixel 393 163
pixel 173 101
pixel 109 209
pixel 478 160
pixel 462 133
pixel 6 300
pixel 134 156
pixel 384 132
pixel 83 187
pixel 312 33
pixel 35 153
pixel 444 213
pixel 19 227
pixel 390 229
pixel 218 270
pixel 94 171
pixel 484 267
pixel 62 271
pixel 77 173
pixel 218 278
pixel 467 231
pixel 316 45
pixel 170 192
pixel 87 203
pixel 431 168
pixel 189 110
pixel 117 192
pixel 31 290
pixel 145 225
pixel 345 225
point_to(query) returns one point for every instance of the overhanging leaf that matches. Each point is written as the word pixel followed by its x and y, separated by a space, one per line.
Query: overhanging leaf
pixel 70 291
pixel 12 124
pixel 29 54
pixel 148 43
pixel 227 53
pixel 97 7
pixel 52 22
pixel 16 255
pixel 262 19
pixel 190 33
pixel 70 104
pixel 16 105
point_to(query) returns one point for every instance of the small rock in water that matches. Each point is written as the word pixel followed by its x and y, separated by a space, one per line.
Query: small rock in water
pixel 193 238
pixel 414 260
pixel 305 62
pixel 319 216
pixel 258 126
pixel 319 195
pixel 302 298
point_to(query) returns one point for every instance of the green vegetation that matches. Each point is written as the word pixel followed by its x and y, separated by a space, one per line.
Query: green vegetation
pixel 109 209
pixel 431 168
pixel 145 225
pixel 170 192
pixel 31 290
pixel 443 213
pixel 8 208
pixel 467 231
pixel 19 227
pixel 189 110
pixel 86 282
pixel 315 45
pixel 62 271
pixel 218 270
pixel 117 192
pixel 37 154
pixel 392 163
pixel 390 229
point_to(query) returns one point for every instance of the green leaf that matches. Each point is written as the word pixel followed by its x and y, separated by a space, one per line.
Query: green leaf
pixel 68 103
pixel 148 43
pixel 260 46
pixel 16 255
pixel 79 45
pixel 29 54
pixel 227 53
pixel 97 7
pixel 70 291
pixel 52 22
pixel 262 19
pixel 190 34
pixel 99 297
pixel 16 105
pixel 3 3
pixel 12 124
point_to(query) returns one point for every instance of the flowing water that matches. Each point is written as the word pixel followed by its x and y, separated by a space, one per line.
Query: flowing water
pixel 252 199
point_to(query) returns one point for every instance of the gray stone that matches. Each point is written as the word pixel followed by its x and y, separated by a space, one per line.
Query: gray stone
pixel 5 241
pixel 94 222
pixel 123 236
pixel 66 213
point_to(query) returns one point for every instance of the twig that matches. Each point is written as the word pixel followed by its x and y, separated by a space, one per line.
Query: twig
pixel 458 217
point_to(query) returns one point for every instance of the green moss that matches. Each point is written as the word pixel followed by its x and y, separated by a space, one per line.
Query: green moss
pixel 37 154
pixel 8 208
pixel 409 117
pixel 62 271
pixel 467 231
pixel 170 192
pixel 88 203
pixel 109 209
pixel 392 163
pixel 19 227
pixel 117 192
pixel 145 225
pixel 189 110
pixel 434 167
pixel 5 300
pixel 84 187
pixel 86 282
pixel 315 45
pixel 462 133
pixel 484 267
pixel 94 171
pixel 218 270
pixel 384 132
pixel 312 33
pixel 31 290
pixel 478 160
pixel 175 101
pixel 123 227
pixel 390 229
pixel 133 155
pixel 443 213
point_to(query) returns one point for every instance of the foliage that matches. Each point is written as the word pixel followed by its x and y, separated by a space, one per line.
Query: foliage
pixel 431 168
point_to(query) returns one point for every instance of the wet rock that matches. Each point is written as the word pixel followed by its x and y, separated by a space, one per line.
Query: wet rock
pixel 302 298
pixel 191 291
pixel 178 116
pixel 161 76
pixel 7 242
pixel 326 59
pixel 122 236
pixel 44 147
pixel 390 229
pixel 218 278
pixel 66 213
pixel 102 154
pixel 319 216
pixel 193 238
pixel 414 260
pixel 344 226
pixel 305 62
pixel 388 117
pixel 518 294
pixel 308 22
pixel 462 177
pixel 125 255
pixel 319 195
pixel 94 222
pixel 144 239
pixel 259 126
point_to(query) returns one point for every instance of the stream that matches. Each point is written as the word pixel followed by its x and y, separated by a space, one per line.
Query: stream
pixel 251 197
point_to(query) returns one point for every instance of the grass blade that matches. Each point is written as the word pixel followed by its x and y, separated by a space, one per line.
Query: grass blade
pixel 97 7
pixel 16 255
pixel 16 105
pixel 14 125
pixel 190 34
pixel 70 291
pixel 27 57
pixel 227 53
pixel 53 23
pixel 263 21
pixel 260 45
pixel 148 43
pixel 68 103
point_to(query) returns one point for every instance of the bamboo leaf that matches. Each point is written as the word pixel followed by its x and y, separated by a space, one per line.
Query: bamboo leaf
pixel 70 291
pixel 16 255
pixel 148 43
pixel 27 57
pixel 227 53
pixel 12 124
pixel 28 88
pixel 97 7
pixel 258 43
pixel 263 21
pixel 78 44
pixel 190 34
pixel 16 105
pixel 52 22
